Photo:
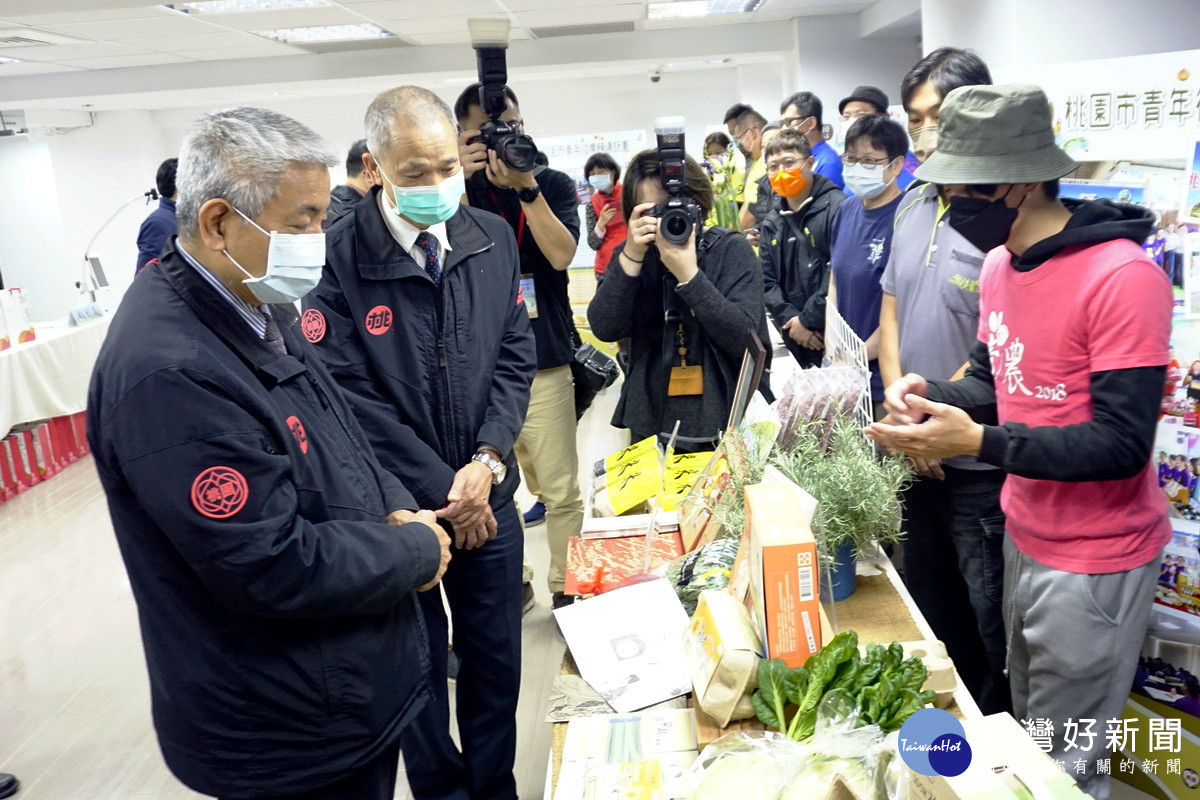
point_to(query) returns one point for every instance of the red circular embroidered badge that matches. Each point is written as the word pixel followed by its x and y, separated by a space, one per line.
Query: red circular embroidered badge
pixel 219 492
pixel 312 324
pixel 297 428
pixel 379 320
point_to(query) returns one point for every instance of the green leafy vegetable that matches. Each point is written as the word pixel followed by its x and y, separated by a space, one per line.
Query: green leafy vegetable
pixel 881 685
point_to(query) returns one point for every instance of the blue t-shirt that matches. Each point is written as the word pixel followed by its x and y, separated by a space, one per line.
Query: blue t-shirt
pixel 861 242
pixel 827 162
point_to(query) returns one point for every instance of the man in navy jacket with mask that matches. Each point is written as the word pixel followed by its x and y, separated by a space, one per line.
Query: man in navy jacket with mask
pixel 274 562
pixel 420 318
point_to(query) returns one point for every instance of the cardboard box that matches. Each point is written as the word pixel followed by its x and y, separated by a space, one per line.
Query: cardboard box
pixel 708 731
pixel 784 570
pixel 595 744
pixel 722 649
pixel 1005 765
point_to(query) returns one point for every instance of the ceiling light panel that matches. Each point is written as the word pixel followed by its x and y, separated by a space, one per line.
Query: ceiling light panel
pixel 326 33
pixel 10 61
pixel 701 8
pixel 243 6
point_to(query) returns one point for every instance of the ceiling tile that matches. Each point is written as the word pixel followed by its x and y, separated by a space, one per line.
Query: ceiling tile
pixel 287 18
pixel 539 5
pixel 418 27
pixel 119 29
pixel 456 37
pixel 205 41
pixel 116 62
pixel 32 68
pixel 415 9
pixel 98 15
pixel 230 53
pixel 582 16
pixel 62 52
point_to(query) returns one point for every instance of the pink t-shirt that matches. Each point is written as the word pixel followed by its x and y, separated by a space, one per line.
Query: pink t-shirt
pixel 1091 308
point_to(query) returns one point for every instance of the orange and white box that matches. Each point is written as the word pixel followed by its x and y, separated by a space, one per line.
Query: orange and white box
pixel 784 574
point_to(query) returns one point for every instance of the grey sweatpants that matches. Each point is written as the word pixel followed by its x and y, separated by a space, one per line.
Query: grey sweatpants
pixel 1073 645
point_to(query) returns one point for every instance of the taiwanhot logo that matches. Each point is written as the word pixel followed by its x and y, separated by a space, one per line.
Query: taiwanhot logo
pixel 932 742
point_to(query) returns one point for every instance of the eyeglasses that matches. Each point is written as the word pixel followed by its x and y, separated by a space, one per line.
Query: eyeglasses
pixel 793 122
pixel 788 163
pixel 871 164
pixel 742 135
pixel 849 115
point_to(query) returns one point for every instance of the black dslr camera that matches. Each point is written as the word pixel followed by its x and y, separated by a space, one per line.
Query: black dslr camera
pixel 513 147
pixel 680 214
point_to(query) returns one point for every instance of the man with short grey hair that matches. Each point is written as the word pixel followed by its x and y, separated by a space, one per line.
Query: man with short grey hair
pixel 274 562
pixel 420 319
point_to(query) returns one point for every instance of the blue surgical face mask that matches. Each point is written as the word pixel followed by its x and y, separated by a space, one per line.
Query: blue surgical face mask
pixel 865 181
pixel 602 182
pixel 294 265
pixel 428 205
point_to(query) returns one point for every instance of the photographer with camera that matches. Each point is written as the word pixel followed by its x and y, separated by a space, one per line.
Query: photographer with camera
pixel 687 299
pixel 542 208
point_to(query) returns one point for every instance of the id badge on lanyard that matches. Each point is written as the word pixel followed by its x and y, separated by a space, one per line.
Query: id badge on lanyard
pixel 527 289
pixel 529 292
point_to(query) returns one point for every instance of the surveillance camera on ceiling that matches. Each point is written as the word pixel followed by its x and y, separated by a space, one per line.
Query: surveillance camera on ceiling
pixel 655 75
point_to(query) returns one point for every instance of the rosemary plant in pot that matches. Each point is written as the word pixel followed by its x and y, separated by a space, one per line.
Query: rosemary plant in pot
pixel 858 491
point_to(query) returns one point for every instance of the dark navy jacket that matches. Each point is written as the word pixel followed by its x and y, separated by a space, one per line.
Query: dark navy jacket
pixel 432 372
pixel 281 630
pixel 158 226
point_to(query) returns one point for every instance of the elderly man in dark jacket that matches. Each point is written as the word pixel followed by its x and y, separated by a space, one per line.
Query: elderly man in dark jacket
pixel 420 318
pixel 282 633
pixel 794 246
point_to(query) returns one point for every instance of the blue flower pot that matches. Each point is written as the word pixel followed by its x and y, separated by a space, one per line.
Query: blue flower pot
pixel 841 584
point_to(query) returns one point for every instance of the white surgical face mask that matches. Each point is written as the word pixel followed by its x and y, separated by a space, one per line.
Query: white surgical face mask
pixel 294 265
pixel 865 181
pixel 602 182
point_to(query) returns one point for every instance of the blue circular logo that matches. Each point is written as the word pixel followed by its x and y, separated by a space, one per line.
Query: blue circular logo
pixel 933 742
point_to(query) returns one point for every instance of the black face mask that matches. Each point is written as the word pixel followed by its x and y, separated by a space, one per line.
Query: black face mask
pixel 984 223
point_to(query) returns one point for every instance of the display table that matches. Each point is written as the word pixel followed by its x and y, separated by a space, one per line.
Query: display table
pixel 881 611
pixel 49 376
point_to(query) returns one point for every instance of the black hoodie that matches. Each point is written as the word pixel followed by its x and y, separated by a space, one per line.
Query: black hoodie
pixel 794 250
pixel 1125 402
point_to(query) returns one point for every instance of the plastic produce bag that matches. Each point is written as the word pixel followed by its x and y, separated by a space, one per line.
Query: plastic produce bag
pixel 706 568
pixel 755 765
pixel 839 747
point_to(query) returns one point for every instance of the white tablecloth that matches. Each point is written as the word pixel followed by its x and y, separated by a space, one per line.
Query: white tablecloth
pixel 48 377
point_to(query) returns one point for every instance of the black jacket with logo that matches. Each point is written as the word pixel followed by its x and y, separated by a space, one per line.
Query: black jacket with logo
pixel 432 372
pixel 281 631
pixel 794 249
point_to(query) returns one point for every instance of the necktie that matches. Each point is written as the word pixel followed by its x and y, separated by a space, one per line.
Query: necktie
pixel 273 337
pixel 429 246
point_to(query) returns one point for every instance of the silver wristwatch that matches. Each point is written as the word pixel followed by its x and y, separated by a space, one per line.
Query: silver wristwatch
pixel 499 471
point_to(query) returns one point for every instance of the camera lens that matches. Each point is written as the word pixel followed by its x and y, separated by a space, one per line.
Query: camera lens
pixel 676 226
pixel 518 152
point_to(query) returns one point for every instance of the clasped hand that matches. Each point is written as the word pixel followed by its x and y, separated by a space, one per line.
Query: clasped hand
pixel 402 517
pixel 467 508
pixel 924 431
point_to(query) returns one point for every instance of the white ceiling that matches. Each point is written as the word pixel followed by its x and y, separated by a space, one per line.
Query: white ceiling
pixel 109 54
pixel 114 34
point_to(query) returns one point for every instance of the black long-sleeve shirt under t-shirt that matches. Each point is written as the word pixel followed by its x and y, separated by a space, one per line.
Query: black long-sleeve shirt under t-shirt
pixel 1117 442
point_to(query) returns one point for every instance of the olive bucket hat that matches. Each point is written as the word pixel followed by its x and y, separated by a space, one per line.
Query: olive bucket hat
pixel 996 134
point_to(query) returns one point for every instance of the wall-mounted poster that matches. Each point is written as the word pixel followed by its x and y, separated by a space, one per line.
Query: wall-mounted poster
pixel 1102 190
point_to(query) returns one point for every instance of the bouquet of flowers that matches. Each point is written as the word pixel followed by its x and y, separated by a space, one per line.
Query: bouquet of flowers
pixel 727 180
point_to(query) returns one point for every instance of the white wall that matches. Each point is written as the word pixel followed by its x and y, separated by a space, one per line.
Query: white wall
pixel 32 252
pixel 549 107
pixel 833 59
pixel 1010 32
pixel 62 188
